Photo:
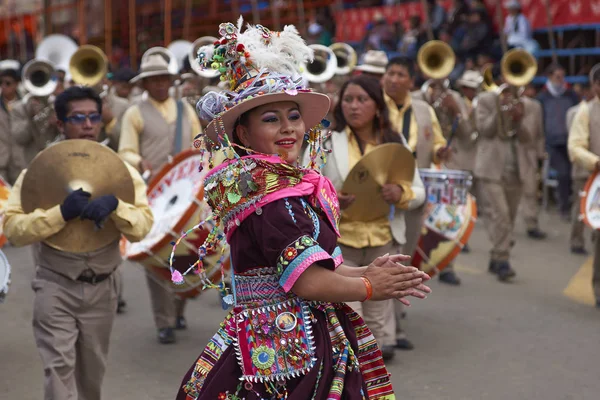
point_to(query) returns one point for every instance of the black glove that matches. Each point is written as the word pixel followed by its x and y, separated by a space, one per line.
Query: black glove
pixel 74 204
pixel 99 209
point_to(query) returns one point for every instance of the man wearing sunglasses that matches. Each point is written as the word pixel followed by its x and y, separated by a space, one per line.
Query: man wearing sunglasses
pixel 76 293
pixel 11 155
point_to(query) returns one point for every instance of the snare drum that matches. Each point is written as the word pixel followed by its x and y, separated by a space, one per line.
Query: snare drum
pixel 446 186
pixel 589 205
pixel 446 230
pixel 176 197
pixel 4 276
pixel 4 192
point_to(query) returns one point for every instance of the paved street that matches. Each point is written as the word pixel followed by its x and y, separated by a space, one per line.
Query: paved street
pixel 483 340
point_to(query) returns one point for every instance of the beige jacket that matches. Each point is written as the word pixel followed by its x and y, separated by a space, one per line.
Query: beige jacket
pixel 493 148
pixel 584 137
pixel 463 143
pixel 577 172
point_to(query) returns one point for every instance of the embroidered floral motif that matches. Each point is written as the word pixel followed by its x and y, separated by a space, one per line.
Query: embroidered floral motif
pixel 290 253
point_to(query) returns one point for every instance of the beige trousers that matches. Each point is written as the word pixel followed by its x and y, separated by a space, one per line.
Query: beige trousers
pixel 577 224
pixel 378 315
pixel 72 322
pixel 502 201
pixel 530 205
pixel 166 306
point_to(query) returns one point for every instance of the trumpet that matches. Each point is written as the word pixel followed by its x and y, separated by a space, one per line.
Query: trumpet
pixel 518 69
pixel 436 60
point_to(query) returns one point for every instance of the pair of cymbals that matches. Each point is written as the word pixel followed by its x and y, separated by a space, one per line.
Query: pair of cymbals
pixel 387 163
pixel 70 165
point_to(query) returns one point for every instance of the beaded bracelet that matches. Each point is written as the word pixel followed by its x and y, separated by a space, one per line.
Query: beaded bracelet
pixel 369 287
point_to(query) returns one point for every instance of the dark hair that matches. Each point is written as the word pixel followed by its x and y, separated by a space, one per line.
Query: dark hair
pixel 552 68
pixel 61 104
pixel 596 75
pixel 403 62
pixel 10 73
pixel 242 120
pixel 381 123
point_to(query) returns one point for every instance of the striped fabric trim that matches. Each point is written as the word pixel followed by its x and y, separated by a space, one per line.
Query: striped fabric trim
pixel 296 258
pixel 338 259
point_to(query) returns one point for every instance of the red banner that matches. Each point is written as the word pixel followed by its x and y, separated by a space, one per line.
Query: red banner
pixel 352 23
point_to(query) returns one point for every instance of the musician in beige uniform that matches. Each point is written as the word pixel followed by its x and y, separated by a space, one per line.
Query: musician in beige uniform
pixel 417 122
pixel 530 204
pixel 148 138
pixel 579 176
pixel 584 152
pixel 75 293
pixel 450 108
pixel 11 154
pixel 503 163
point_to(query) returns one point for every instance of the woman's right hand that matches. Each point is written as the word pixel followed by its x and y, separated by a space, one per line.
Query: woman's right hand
pixel 391 280
pixel 345 200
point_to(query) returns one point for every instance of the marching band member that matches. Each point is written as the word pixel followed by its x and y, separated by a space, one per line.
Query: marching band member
pixel 417 122
pixel 584 151
pixel 290 283
pixel 75 293
pixel 11 153
pixel 113 109
pixel 502 164
pixel 452 109
pixel 374 63
pixel 579 177
pixel 121 83
pixel 152 131
pixel 533 120
pixel 362 123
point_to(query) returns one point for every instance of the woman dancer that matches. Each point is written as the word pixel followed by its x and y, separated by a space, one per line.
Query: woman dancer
pixel 361 124
pixel 289 334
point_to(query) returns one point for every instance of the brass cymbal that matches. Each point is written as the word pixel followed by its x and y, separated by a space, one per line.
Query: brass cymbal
pixel 70 165
pixel 387 163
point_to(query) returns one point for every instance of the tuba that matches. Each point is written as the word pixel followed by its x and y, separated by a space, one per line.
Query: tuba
pixel 488 84
pixel 58 49
pixel 436 60
pixel 346 58
pixel 324 64
pixel 167 55
pixel 193 57
pixel 88 66
pixel 518 68
pixel 180 49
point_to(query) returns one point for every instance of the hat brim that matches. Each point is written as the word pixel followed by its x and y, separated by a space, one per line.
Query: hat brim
pixel 313 108
pixel 148 75
pixel 469 84
pixel 371 69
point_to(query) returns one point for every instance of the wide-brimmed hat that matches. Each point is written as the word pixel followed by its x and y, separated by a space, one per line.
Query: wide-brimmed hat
pixel 10 64
pixel 471 79
pixel 374 62
pixel 260 67
pixel 154 65
pixel 512 5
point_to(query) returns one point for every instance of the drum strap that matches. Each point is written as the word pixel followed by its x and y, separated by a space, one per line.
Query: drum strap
pixel 179 128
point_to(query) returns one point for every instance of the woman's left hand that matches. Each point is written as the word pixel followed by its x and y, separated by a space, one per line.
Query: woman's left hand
pixel 391 193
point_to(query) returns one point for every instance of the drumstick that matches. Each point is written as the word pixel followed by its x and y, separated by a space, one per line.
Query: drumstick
pixel 146 175
pixel 452 131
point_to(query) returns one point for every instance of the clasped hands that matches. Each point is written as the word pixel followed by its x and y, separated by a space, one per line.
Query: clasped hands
pixel 78 204
pixel 392 280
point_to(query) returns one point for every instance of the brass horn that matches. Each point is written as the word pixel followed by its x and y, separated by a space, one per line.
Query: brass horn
pixel 166 54
pixel 346 58
pixel 39 78
pixel 180 50
pixel 323 66
pixel 58 49
pixel 193 57
pixel 436 59
pixel 88 66
pixel 488 84
pixel 518 67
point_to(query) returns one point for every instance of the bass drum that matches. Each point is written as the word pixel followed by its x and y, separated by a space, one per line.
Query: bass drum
pixel 4 276
pixel 589 206
pixel 446 230
pixel 176 198
pixel 4 193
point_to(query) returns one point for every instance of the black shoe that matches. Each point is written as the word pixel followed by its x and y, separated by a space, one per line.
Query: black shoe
pixel 466 248
pixel 121 306
pixel 166 336
pixel 597 303
pixel 181 324
pixel 450 278
pixel 493 267
pixel 404 344
pixel 579 250
pixel 512 243
pixel 387 352
pixel 504 271
pixel 536 234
